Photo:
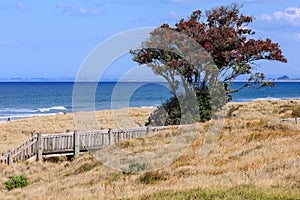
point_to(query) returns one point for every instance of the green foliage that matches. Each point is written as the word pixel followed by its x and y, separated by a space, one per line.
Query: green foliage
pixel 200 51
pixel 169 113
pixel 134 168
pixel 16 182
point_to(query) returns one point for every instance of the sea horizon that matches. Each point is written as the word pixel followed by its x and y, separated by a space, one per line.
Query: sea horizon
pixel 29 99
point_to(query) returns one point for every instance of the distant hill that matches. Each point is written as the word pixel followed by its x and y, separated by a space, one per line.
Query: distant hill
pixel 285 77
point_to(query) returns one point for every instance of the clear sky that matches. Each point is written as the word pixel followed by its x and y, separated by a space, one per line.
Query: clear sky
pixel 51 38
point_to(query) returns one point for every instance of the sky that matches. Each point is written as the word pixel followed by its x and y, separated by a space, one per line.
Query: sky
pixel 52 38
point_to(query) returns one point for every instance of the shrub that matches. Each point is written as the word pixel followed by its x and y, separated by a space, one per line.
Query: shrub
pixel 169 113
pixel 16 182
pixel 197 106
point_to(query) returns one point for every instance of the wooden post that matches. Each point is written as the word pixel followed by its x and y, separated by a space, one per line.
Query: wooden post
pixel 76 144
pixel 32 134
pixel 9 159
pixel 148 129
pixel 102 139
pixel 39 147
pixel 296 120
pixel 32 146
pixel 109 136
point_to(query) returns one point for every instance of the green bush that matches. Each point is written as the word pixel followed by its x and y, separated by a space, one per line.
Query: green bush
pixel 169 113
pixel 208 102
pixel 16 182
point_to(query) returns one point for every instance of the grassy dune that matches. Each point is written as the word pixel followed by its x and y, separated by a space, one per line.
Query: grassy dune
pixel 255 157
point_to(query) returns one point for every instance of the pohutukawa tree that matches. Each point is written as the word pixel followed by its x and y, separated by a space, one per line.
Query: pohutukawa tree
pixel 224 34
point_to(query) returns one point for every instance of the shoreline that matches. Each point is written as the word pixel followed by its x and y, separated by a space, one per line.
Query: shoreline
pixel 64 113
pixel 14 119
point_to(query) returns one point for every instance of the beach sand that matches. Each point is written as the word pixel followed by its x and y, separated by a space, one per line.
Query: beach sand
pixel 256 151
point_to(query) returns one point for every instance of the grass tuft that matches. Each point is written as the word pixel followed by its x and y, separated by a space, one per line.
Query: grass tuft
pixel 151 177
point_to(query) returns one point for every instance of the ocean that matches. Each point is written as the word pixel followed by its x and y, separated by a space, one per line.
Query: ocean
pixel 28 99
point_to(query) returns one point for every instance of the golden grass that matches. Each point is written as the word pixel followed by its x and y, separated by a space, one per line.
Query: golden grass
pixel 254 148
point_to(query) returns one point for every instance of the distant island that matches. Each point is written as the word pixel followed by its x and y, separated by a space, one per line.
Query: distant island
pixel 36 79
pixel 283 78
pixel 286 78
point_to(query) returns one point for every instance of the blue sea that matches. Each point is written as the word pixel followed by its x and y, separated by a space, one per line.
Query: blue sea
pixel 28 99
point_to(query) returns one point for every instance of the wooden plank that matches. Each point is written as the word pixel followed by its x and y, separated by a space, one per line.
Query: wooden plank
pixel 109 136
pixel 9 159
pixel 58 155
pixel 39 148
pixel 24 151
pixel 102 139
pixel 20 150
pixel 291 119
pixel 57 135
pixel 76 144
pixel 61 142
pixel 89 140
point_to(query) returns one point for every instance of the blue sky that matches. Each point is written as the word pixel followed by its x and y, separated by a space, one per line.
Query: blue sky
pixel 52 38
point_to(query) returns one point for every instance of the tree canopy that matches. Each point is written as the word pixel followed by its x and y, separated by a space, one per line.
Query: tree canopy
pixel 227 48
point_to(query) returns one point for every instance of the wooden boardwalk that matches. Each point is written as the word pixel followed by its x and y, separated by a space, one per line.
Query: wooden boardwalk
pixel 71 144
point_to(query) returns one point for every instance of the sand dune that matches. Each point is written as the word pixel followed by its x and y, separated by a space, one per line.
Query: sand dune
pixel 256 151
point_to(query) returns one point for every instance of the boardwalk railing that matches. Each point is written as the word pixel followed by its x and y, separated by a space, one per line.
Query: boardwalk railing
pixel 296 119
pixel 40 145
pixel 55 143
pixel 23 152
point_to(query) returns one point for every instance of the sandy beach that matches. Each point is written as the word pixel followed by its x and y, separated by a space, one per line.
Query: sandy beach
pixel 255 152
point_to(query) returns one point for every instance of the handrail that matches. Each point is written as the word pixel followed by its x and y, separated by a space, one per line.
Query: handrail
pixel 23 152
pixel 73 143
pixel 291 119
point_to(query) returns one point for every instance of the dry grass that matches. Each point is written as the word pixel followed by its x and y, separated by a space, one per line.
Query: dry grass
pixel 254 149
